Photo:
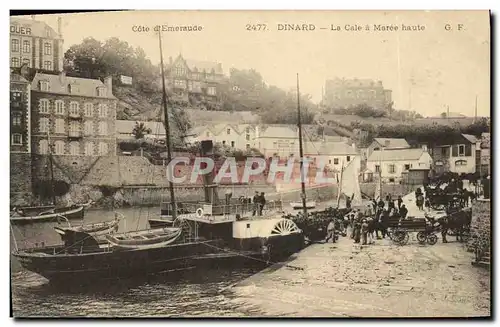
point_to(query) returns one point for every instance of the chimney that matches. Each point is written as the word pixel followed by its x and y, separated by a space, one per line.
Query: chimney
pixel 62 77
pixel 108 81
pixel 59 27
pixel 170 60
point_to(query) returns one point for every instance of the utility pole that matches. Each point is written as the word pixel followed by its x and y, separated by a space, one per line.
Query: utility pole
pixel 301 153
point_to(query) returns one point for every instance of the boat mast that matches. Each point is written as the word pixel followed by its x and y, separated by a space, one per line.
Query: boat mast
pixel 51 169
pixel 301 152
pixel 340 184
pixel 167 132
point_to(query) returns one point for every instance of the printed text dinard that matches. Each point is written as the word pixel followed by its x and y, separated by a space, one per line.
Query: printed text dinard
pixel 253 167
pixel 352 27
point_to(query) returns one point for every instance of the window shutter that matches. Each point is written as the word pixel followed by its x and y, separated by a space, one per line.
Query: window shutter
pixel 468 150
pixel 454 151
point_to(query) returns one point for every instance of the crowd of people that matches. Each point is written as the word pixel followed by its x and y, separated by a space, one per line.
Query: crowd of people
pixel 366 225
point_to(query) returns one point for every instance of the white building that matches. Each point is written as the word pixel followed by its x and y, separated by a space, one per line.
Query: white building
pixel 238 136
pixel 334 154
pixel 390 164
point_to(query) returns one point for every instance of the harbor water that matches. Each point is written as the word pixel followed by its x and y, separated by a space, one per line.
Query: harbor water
pixel 187 293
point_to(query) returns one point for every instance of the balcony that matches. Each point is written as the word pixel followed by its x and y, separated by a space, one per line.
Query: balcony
pixel 74 115
pixel 75 135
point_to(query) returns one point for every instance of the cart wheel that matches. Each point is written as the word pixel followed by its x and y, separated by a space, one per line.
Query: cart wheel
pixel 421 237
pixel 432 239
pixel 400 237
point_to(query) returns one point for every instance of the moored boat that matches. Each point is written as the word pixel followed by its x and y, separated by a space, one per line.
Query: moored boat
pixel 54 214
pixel 144 239
pixel 95 229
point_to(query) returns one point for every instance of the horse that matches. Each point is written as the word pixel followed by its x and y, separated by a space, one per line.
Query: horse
pixel 457 221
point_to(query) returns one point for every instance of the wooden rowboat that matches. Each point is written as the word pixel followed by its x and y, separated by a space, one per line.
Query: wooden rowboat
pixel 144 239
pixel 96 229
pixel 71 212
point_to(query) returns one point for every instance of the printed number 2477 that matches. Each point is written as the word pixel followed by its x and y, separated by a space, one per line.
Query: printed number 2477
pixel 256 27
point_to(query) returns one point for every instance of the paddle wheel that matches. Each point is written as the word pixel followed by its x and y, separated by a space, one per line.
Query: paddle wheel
pixel 285 227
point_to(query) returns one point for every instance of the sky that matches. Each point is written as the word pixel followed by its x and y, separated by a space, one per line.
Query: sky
pixel 426 70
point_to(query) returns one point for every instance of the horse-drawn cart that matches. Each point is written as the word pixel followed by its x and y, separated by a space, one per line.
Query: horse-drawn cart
pixel 400 229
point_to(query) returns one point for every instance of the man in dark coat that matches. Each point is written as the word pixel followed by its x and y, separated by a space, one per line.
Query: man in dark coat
pixel 400 201
pixel 403 212
pixel 256 201
pixel 262 203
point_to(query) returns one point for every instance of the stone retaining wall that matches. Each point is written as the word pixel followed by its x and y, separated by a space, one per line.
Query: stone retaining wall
pixel 480 226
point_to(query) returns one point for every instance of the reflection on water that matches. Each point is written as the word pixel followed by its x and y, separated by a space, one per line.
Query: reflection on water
pixel 188 293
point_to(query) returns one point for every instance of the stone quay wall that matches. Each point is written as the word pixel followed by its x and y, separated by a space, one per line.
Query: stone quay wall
pixel 480 226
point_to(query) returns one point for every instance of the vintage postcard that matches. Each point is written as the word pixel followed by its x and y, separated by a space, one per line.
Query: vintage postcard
pixel 250 164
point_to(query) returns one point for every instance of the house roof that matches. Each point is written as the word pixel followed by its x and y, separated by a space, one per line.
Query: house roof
pixel 396 155
pixel 127 126
pixel 79 86
pixel 354 82
pixel 200 66
pixel 38 28
pixel 470 138
pixel 392 143
pixel 17 78
pixel 328 148
pixel 216 129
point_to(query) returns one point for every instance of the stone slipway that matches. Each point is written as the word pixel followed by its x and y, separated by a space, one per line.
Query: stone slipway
pixel 381 280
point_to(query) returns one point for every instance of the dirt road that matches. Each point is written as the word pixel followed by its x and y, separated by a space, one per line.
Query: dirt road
pixel 381 280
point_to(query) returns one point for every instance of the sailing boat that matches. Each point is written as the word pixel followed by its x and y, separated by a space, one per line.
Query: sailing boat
pixel 193 240
pixel 349 184
pixel 48 213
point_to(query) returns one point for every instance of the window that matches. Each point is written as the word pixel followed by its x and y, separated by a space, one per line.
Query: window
pixel 74 148
pixel 461 150
pixel 211 90
pixel 248 137
pixel 89 149
pixel 14 62
pixel 15 98
pixel 248 146
pixel 228 131
pixel 43 147
pixel 43 106
pixel 59 147
pixel 44 86
pixel 59 107
pixel 74 129
pixel 47 32
pixel 59 126
pixel 88 109
pixel 180 83
pixel 74 108
pixel 348 158
pixel 47 48
pixel 179 71
pixel 232 144
pixel 102 110
pixel 223 142
pixel 248 129
pixel 190 85
pixel 26 46
pixel 101 91
pixel 335 161
pixel 330 161
pixel 89 127
pixel 27 62
pixel 461 163
pixel 377 168
pixel 373 94
pixel 17 139
pixel 392 169
pixel 443 151
pixel 360 94
pixel 103 128
pixel 15 45
pixel 103 149
pixel 349 94
pixel 407 167
pixel 47 65
pixel 44 124
pixel 16 119
pixel 69 88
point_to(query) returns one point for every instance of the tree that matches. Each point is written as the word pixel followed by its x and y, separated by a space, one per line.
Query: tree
pixel 140 130
pixel 443 115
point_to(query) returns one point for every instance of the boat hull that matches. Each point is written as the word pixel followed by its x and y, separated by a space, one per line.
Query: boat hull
pixel 277 247
pixel 70 214
pixel 111 264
